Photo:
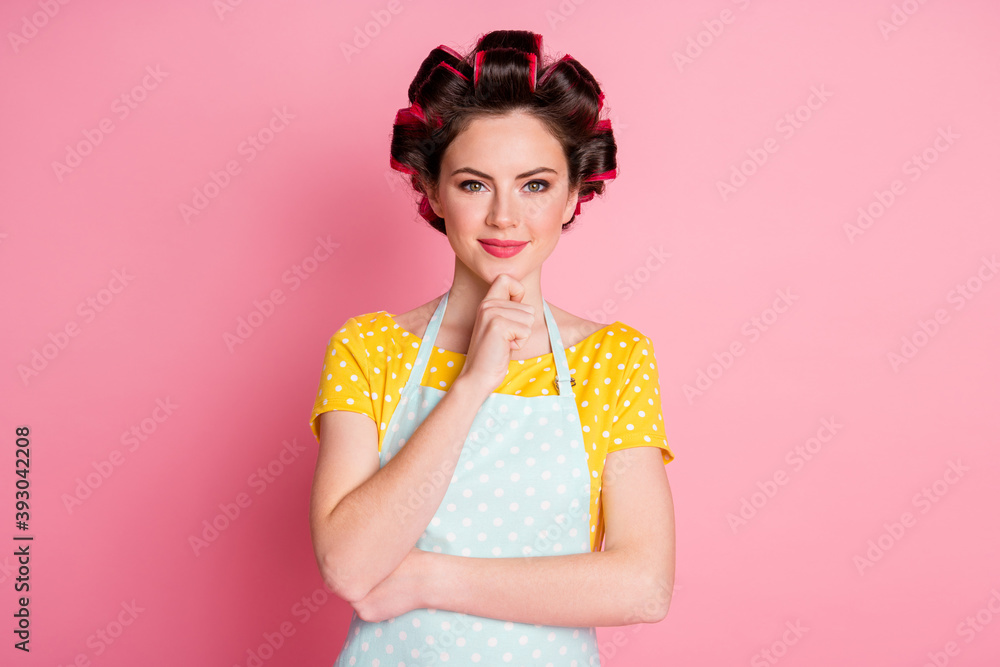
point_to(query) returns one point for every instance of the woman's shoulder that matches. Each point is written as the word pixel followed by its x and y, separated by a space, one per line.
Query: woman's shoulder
pixel 415 321
pixel 577 331
pixel 617 341
pixel 367 326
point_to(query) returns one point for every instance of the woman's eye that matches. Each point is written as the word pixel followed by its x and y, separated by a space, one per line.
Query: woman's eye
pixel 476 186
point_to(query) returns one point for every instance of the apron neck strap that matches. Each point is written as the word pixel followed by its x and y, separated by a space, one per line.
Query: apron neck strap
pixel 563 378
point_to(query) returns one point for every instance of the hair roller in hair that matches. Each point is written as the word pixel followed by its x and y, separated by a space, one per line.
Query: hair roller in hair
pixel 602 176
pixel 475 69
pixel 552 68
pixel 586 197
pixel 399 166
pixel 448 49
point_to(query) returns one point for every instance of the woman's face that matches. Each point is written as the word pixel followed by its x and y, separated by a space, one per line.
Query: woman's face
pixel 504 178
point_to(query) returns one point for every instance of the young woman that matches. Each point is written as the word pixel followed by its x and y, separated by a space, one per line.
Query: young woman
pixel 472 464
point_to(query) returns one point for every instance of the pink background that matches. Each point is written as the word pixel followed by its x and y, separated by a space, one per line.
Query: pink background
pixel 681 130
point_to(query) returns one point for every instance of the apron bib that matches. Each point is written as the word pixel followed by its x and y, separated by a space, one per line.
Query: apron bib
pixel 520 488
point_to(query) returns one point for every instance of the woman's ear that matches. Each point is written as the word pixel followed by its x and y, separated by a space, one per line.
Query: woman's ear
pixel 571 201
pixel 432 198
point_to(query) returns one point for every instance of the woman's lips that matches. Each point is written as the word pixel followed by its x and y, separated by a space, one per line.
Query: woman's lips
pixel 499 248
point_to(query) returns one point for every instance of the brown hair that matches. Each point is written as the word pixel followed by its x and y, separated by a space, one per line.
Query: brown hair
pixel 502 75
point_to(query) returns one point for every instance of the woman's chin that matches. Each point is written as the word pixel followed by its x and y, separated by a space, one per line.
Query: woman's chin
pixel 490 273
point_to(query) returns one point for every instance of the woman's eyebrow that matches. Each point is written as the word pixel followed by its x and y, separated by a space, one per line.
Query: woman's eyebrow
pixel 476 172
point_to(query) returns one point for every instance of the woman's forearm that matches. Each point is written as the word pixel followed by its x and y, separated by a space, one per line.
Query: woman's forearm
pixel 371 530
pixel 603 588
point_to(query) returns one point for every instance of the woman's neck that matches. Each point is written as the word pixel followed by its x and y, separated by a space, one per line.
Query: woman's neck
pixel 468 290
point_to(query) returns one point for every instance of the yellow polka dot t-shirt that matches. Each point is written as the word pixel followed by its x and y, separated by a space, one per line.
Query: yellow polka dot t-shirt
pixel 617 387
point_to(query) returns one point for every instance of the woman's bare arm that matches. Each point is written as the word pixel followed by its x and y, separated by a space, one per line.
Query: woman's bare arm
pixel 631 581
pixel 365 519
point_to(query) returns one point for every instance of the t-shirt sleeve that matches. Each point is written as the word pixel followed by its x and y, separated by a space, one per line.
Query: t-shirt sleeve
pixel 344 382
pixel 638 420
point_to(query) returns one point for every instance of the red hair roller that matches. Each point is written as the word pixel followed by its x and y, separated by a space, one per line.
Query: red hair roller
pixel 475 68
pixel 603 176
pixel 399 166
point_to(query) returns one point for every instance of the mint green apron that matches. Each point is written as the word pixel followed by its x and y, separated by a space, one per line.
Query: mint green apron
pixel 521 488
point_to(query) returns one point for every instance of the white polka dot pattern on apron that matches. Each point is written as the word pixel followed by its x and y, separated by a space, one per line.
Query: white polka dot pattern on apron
pixel 513 493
